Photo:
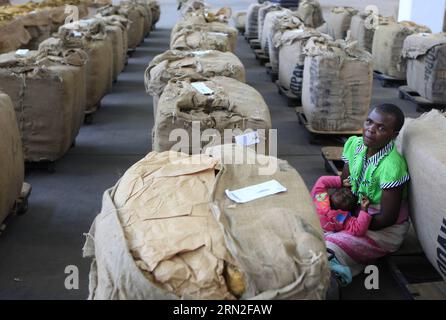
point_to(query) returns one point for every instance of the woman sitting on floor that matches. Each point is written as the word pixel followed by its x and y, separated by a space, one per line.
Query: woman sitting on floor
pixel 378 172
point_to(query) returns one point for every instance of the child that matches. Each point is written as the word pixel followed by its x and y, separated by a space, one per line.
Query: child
pixel 335 211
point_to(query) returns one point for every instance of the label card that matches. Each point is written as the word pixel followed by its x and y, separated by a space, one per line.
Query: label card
pixel 202 88
pixel 255 192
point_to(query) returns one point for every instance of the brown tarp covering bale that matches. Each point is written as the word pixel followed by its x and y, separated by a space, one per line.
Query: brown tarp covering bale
pixel 288 20
pixel 424 147
pixel 426 65
pixel 13 35
pixel 233 105
pixel 195 38
pixel 388 44
pixel 240 21
pixel 172 244
pixel 338 22
pixel 363 30
pixel 291 47
pixel 90 35
pixel 190 64
pixel 11 157
pixel 337 86
pixel 310 12
pixel 48 94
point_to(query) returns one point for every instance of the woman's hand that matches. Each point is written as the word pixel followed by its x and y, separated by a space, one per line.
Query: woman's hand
pixel 365 202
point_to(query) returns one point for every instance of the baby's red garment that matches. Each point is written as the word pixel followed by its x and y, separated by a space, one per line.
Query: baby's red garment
pixel 336 220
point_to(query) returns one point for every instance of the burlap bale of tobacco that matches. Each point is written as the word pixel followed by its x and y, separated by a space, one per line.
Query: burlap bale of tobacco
pixel 116 29
pixel 13 34
pixel 337 85
pixel 156 11
pixel 91 36
pixel 291 45
pixel 172 243
pixel 424 148
pixel 195 38
pixel 310 12
pixel 338 22
pixel 240 21
pixel 233 105
pixel 267 29
pixel 363 26
pixel 136 15
pixel 215 23
pixel 48 94
pixel 11 157
pixel 388 42
pixel 263 11
pixel 288 20
pixel 148 20
pixel 189 64
pixel 252 21
pixel 426 65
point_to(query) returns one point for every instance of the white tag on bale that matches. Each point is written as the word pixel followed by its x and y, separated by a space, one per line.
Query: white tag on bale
pixel 254 192
pixel 22 53
pixel 202 88
pixel 77 34
pixel 247 139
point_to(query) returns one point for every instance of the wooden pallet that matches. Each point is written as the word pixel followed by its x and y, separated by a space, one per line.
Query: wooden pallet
pixel 292 99
pixel 333 159
pixel 254 44
pixel 387 81
pixel 274 75
pixel 316 135
pixel 261 57
pixel 423 105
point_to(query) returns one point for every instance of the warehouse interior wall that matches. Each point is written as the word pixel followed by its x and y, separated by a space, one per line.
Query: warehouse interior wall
pixel 414 10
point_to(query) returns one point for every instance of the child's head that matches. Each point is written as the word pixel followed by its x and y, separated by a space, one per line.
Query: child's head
pixel 343 199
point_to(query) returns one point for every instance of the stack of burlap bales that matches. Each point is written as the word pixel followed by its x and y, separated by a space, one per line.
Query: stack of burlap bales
pixel 38 19
pixel 252 21
pixel 203 29
pixel 291 45
pixel 240 21
pixel 337 85
pixel 338 21
pixel 287 20
pixel 189 64
pixel 426 65
pixel 388 44
pixel 48 95
pixel 424 148
pixel 11 157
pixel 363 26
pixel 263 12
pixel 176 244
pixel 52 89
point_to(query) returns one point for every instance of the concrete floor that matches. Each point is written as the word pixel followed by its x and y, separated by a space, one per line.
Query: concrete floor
pixel 36 248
